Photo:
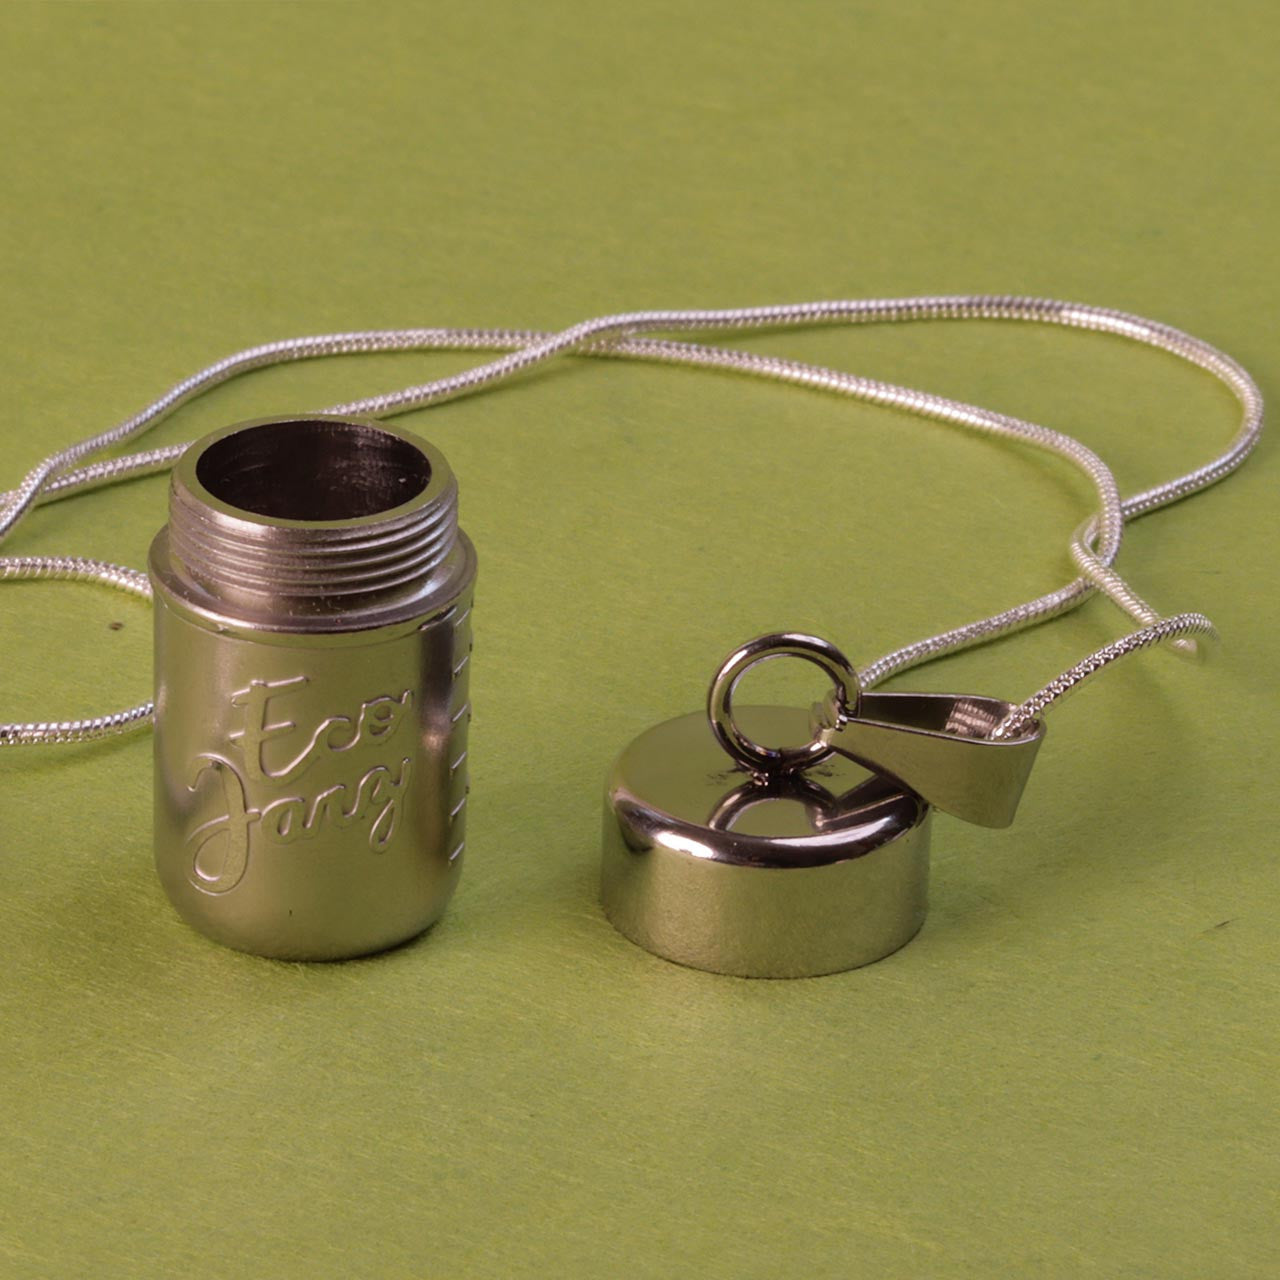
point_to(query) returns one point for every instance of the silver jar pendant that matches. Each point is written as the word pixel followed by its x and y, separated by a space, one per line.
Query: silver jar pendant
pixel 312 639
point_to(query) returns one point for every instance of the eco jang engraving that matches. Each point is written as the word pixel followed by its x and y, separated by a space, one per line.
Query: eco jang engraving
pixel 272 753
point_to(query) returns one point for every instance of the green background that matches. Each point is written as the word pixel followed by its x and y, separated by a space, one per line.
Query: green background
pixel 1071 1072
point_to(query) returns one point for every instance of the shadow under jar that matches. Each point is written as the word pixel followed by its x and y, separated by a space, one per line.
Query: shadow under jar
pixel 312 642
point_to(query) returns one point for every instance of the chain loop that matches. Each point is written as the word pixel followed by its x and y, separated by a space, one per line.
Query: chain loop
pixel 76 569
pixel 758 758
pixel 632 336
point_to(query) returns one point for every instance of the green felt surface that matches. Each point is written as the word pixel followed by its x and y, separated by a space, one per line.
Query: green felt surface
pixel 1071 1072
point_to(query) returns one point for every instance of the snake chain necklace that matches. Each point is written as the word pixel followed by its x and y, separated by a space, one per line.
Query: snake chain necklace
pixel 298 541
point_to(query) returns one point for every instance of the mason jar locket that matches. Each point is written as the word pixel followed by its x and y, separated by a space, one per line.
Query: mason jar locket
pixel 313 595
pixel 312 641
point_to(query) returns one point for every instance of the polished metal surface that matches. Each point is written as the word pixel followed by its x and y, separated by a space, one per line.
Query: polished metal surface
pixel 789 644
pixel 801 873
pixel 750 842
pixel 312 634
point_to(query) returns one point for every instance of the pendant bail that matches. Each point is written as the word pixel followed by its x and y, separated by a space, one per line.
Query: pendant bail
pixel 939 745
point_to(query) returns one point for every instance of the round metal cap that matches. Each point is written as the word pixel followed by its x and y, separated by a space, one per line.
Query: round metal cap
pixel 787 876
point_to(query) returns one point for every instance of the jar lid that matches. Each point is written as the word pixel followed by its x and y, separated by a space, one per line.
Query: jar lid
pixel 793 874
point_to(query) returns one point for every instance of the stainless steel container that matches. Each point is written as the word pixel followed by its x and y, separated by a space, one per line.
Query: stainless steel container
pixel 313 599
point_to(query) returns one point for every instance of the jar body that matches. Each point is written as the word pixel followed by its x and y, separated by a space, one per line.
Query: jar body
pixel 311 689
pixel 310 790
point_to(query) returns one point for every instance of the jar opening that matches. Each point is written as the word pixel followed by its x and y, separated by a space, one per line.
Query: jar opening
pixel 308 469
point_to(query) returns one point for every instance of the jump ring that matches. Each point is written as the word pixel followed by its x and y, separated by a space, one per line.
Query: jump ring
pixel 778 644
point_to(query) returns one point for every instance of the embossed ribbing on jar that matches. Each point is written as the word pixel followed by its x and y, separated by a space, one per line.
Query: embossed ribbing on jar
pixel 312 644
pixel 296 516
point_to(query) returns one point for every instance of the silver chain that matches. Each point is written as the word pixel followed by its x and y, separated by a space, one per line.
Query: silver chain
pixel 631 336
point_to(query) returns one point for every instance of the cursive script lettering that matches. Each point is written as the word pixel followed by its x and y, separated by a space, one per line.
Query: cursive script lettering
pixel 220 848
pixel 377 719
